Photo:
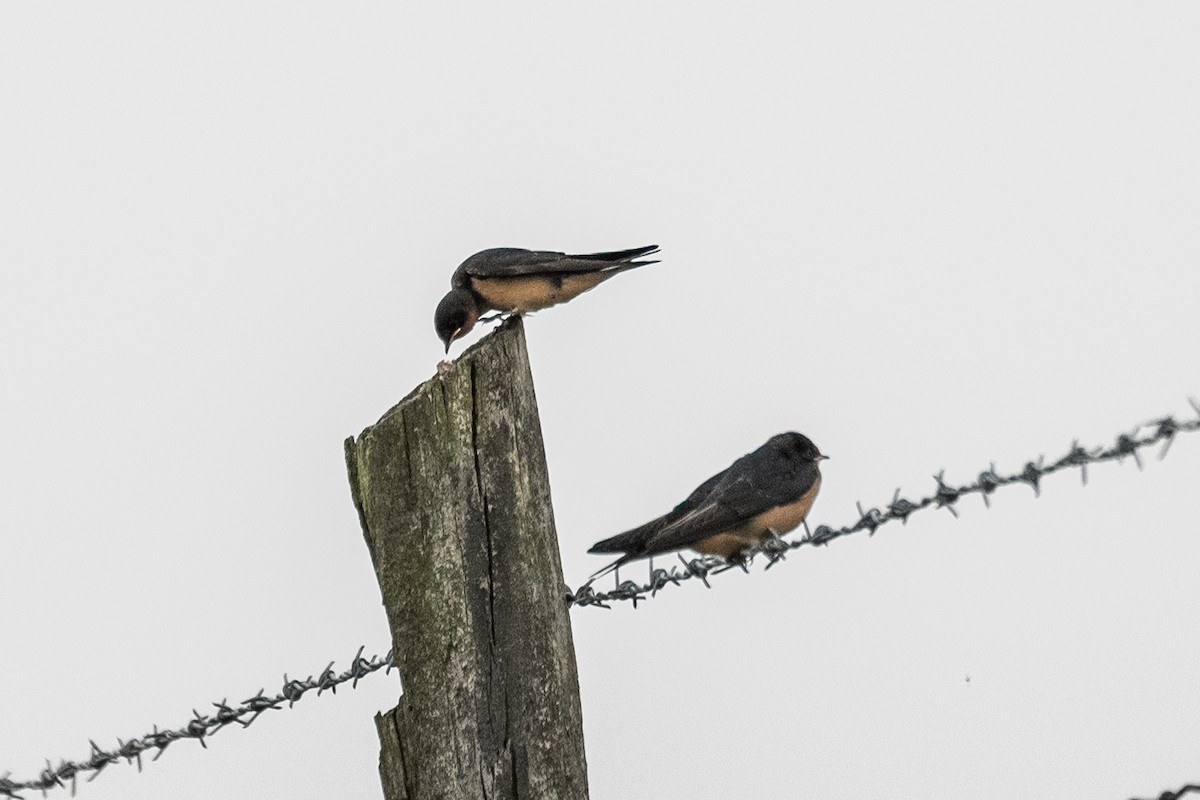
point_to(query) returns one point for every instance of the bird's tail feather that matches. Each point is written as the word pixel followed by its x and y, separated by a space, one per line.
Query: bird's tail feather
pixel 621 543
pixel 621 255
pixel 631 545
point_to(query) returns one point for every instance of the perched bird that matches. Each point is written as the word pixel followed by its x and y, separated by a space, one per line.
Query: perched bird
pixel 512 280
pixel 761 495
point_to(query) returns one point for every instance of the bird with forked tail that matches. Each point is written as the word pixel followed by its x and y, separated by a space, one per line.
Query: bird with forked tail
pixel 761 495
pixel 512 280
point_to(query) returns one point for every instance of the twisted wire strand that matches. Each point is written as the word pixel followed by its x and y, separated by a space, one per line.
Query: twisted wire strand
pixel 1175 794
pixel 198 727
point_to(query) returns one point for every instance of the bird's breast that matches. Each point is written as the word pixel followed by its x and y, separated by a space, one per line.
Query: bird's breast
pixel 727 545
pixel 782 519
pixel 531 293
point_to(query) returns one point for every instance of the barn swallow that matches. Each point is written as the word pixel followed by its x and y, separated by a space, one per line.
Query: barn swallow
pixel 512 280
pixel 761 495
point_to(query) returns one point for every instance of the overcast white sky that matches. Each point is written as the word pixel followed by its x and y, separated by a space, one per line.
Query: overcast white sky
pixel 925 234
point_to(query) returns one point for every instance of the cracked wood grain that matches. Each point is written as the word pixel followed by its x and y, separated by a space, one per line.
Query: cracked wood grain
pixel 453 496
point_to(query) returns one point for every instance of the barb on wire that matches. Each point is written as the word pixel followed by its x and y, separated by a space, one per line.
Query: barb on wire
pixel 945 495
pixel 199 727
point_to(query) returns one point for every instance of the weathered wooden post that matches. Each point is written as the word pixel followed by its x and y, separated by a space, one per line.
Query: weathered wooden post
pixel 454 499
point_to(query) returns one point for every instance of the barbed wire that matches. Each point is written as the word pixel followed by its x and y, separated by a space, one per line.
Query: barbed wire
pixel 1175 794
pixel 198 728
pixel 945 496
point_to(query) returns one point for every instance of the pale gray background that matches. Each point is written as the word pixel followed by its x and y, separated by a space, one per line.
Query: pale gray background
pixel 927 235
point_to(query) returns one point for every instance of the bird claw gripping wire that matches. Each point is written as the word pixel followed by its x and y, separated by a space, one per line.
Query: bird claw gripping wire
pixel 774 548
pixel 736 561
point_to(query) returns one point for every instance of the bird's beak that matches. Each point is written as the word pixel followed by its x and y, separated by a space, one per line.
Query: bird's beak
pixel 822 457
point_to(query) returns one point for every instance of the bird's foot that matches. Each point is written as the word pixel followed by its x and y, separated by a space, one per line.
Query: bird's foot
pixel 741 560
pixel 775 548
pixel 499 315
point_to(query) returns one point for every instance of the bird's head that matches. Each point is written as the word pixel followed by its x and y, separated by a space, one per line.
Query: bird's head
pixel 455 315
pixel 797 445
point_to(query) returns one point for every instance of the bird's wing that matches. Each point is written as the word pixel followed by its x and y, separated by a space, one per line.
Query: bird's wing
pixel 754 484
pixel 510 262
